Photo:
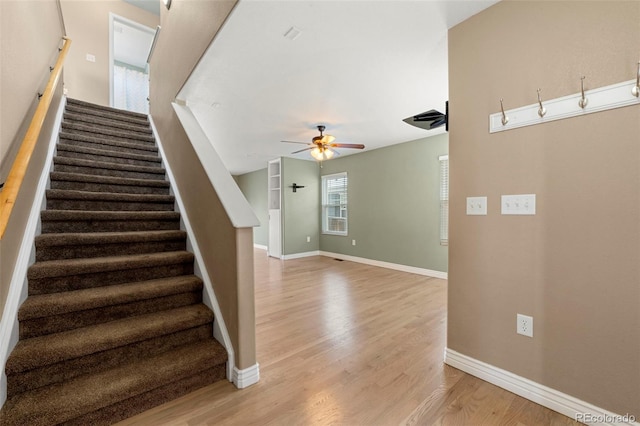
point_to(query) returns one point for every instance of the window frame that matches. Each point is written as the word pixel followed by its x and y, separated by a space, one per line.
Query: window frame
pixel 343 204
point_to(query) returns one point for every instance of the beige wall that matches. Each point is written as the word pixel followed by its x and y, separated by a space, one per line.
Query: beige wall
pixel 575 265
pixel 87 23
pixel 25 26
pixel 12 239
pixel 31 27
pixel 187 30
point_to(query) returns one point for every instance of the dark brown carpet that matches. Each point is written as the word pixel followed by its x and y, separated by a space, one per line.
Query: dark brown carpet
pixel 114 323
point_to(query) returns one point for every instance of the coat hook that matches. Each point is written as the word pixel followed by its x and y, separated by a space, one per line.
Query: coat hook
pixel 505 119
pixel 583 101
pixel 541 111
pixel 636 90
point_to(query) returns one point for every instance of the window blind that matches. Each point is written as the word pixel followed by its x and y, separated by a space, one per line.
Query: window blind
pixel 444 199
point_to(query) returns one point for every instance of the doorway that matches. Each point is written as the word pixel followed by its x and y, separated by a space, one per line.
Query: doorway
pixel 129 46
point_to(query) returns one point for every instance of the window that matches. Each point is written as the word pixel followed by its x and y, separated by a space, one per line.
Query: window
pixel 334 204
pixel 444 199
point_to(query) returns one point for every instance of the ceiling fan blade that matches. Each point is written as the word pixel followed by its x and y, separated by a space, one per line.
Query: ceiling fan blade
pixel 328 139
pixel 347 145
pixel 303 143
pixel 302 150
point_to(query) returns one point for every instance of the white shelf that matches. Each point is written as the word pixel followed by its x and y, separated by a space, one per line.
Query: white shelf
pixel 600 99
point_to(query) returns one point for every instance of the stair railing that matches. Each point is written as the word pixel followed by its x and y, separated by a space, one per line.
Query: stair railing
pixel 16 175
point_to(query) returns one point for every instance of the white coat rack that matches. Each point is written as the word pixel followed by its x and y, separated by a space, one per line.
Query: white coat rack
pixel 585 102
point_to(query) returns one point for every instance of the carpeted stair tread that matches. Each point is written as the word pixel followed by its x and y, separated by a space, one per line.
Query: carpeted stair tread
pixel 109 115
pixel 114 201
pixel 64 221
pixel 43 305
pixel 104 131
pixel 65 267
pixel 124 170
pixel 70 215
pixel 84 238
pixel 105 109
pixel 105 122
pixel 65 401
pixel 93 141
pixel 53 348
pixel 99 244
pixel 109 156
pixel 111 180
pixel 128 408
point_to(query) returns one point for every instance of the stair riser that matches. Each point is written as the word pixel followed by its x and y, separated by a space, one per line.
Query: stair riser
pixel 69 321
pixel 106 123
pixel 100 131
pixel 109 172
pixel 97 205
pixel 121 136
pixel 112 147
pixel 108 158
pixel 143 402
pixel 105 187
pixel 54 226
pixel 103 360
pixel 99 279
pixel 115 118
pixel 100 249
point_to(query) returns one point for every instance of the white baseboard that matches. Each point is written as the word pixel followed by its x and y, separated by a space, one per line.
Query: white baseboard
pixel 388 265
pixel 260 246
pixel 300 255
pixel 247 377
pixel 220 332
pixel 574 408
pixel 18 286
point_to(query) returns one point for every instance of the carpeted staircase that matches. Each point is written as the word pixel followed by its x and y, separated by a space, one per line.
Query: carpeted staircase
pixel 114 323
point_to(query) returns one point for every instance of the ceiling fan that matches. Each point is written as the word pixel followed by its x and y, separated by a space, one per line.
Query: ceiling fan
pixel 322 147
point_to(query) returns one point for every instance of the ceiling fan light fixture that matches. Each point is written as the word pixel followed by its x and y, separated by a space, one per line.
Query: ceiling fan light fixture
pixel 317 154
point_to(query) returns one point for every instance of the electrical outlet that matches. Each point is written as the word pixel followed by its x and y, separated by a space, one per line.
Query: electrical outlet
pixel 524 325
pixel 353 242
pixel 308 239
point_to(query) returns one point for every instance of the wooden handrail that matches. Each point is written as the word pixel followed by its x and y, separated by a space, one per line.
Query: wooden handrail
pixel 19 167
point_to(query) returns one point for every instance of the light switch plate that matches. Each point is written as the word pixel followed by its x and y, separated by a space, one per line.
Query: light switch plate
pixel 477 206
pixel 523 204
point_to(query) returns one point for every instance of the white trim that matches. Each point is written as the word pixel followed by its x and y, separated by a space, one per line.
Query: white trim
pixel 540 394
pixel 18 289
pixel 601 99
pixel 300 255
pixel 260 246
pixel 234 202
pixel 388 265
pixel 219 327
pixel 247 377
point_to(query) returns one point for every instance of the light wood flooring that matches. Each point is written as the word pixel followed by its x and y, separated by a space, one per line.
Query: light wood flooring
pixel 341 343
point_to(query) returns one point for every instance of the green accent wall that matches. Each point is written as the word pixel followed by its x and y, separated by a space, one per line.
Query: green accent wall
pixel 393 204
pixel 300 209
pixel 254 187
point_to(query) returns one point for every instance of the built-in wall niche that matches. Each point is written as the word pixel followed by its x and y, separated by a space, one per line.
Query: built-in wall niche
pixel 274 184
pixel 274 176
